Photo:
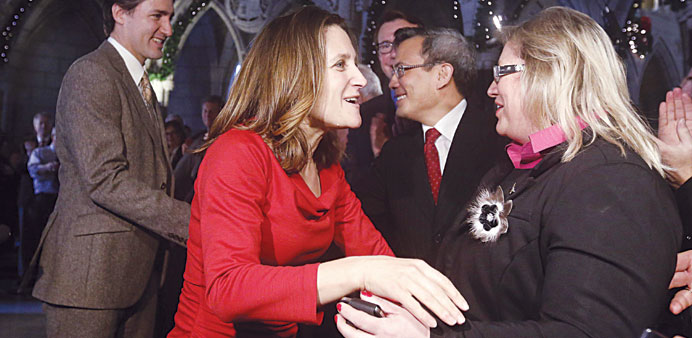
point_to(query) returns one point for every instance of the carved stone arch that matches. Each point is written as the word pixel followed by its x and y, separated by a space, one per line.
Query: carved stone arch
pixel 53 33
pixel 215 5
pixel 251 15
pixel 41 11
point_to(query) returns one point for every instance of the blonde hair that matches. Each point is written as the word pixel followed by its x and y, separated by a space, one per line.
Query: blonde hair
pixel 573 72
pixel 278 85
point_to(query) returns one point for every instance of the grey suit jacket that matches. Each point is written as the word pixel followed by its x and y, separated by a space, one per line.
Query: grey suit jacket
pixel 114 206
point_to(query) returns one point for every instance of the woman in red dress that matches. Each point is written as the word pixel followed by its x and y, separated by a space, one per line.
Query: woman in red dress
pixel 270 197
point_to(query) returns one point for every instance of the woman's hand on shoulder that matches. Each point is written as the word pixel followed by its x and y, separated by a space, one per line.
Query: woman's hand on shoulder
pixel 397 321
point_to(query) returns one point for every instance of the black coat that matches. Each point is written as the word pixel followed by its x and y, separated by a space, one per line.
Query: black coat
pixel 397 196
pixel 590 250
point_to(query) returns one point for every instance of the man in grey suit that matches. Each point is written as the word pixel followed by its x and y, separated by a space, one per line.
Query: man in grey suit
pixel 100 256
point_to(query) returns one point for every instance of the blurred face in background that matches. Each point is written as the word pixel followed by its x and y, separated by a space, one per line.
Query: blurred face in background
pixel 385 40
pixel 173 139
pixel 42 125
pixel 210 111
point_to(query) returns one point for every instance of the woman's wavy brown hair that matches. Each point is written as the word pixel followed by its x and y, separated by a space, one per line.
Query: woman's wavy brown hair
pixel 278 85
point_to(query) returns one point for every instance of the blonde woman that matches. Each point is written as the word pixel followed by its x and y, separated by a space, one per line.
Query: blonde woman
pixel 575 233
pixel 270 197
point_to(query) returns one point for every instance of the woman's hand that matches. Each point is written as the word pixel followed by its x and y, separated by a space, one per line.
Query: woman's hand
pixel 411 282
pixel 674 136
pixel 682 277
pixel 397 322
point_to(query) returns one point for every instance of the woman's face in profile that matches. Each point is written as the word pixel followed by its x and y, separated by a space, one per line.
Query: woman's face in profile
pixel 509 101
pixel 337 106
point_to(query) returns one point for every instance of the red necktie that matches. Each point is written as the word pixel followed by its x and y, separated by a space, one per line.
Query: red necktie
pixel 432 161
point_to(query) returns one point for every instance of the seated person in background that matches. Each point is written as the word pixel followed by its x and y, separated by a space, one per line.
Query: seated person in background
pixel 271 197
pixel 575 233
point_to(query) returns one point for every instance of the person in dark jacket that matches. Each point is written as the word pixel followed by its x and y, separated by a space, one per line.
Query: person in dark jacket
pixel 575 233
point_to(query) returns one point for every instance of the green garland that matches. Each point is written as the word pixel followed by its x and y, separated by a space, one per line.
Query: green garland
pixel 170 48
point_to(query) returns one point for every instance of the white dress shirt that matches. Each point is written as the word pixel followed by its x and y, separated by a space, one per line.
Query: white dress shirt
pixel 447 126
pixel 135 68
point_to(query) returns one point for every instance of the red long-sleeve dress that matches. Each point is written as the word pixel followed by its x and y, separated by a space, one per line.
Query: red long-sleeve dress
pixel 255 234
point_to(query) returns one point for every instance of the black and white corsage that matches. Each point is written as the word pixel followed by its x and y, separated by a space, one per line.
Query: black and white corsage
pixel 488 215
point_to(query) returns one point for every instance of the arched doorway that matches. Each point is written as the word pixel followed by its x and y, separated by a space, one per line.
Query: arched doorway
pixel 204 66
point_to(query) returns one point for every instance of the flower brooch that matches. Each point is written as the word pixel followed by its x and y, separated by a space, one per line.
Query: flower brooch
pixel 488 215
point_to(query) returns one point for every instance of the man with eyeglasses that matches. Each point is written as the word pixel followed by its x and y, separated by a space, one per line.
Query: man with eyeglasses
pixel 423 177
pixel 360 148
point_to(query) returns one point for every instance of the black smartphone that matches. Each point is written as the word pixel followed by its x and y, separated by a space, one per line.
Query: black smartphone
pixel 365 306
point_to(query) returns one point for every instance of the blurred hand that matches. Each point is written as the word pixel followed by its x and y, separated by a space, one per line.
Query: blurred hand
pixel 54 166
pixel 675 136
pixel 380 133
pixel 397 322
pixel 682 278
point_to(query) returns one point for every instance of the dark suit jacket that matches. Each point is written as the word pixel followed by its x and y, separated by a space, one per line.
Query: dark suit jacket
pixel 358 157
pixel 396 195
pixel 186 171
pixel 114 204
pixel 589 252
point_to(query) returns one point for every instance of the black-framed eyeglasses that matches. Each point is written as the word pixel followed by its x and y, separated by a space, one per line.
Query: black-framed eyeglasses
pixel 400 70
pixel 385 47
pixel 500 71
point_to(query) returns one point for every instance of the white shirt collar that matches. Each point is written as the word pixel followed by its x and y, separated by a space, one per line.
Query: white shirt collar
pixel 135 68
pixel 447 125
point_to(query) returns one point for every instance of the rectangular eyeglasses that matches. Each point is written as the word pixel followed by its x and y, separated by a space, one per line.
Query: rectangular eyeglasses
pixel 500 71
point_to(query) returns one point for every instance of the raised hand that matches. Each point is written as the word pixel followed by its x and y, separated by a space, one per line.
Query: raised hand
pixel 675 136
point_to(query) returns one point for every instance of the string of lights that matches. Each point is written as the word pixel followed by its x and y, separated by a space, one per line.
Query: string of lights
pixel 483 32
pixel 489 21
pixel 375 11
pixel 12 27
pixel 635 37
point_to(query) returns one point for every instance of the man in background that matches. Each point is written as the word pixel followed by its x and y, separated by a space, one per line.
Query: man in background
pixel 175 138
pixel 364 143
